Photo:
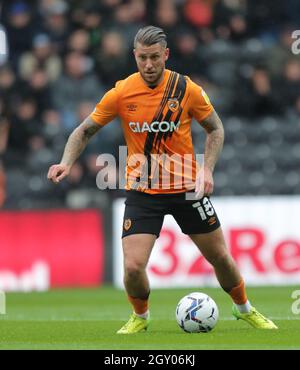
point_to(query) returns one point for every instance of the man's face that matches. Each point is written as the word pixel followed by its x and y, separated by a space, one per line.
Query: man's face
pixel 151 62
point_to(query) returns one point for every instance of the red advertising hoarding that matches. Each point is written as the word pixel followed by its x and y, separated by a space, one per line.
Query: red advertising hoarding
pixel 43 249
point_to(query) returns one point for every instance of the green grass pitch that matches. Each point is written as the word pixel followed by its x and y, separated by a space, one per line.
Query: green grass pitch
pixel 89 319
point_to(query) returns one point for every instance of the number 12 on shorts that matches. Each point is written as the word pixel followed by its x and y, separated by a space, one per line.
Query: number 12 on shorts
pixel 206 209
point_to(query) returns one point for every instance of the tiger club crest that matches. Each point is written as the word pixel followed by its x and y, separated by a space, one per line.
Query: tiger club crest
pixel 173 104
pixel 127 224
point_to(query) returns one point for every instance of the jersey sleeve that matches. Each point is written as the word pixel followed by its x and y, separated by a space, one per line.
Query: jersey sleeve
pixel 106 110
pixel 200 105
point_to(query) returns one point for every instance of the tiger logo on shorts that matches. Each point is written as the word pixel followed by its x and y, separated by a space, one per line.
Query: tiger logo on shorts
pixel 127 224
pixel 212 220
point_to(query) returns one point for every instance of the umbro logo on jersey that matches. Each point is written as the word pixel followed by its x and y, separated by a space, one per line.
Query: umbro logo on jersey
pixel 131 107
pixel 156 126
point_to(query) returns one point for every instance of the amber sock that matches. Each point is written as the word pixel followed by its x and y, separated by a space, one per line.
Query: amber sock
pixel 140 306
pixel 239 297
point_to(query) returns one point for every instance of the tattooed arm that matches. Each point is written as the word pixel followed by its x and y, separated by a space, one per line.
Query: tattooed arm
pixel 75 145
pixel 214 140
pixel 213 147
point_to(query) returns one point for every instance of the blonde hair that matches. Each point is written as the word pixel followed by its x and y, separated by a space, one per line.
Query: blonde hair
pixel 150 35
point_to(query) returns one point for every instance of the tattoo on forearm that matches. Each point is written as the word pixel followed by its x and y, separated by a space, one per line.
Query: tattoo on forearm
pixel 78 140
pixel 90 129
pixel 215 139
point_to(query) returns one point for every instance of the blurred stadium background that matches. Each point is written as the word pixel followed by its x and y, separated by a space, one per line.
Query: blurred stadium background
pixel 61 57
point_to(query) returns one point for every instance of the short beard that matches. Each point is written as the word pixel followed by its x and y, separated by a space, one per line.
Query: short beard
pixel 156 81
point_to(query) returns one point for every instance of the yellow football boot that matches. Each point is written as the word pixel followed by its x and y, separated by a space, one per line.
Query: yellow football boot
pixel 134 325
pixel 254 318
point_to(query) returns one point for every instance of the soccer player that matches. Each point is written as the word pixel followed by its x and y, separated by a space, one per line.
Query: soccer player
pixel 156 107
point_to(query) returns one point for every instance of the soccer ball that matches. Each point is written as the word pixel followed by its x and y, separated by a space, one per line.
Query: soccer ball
pixel 197 313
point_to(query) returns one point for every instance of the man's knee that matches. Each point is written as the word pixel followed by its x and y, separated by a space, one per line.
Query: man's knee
pixel 134 269
pixel 221 259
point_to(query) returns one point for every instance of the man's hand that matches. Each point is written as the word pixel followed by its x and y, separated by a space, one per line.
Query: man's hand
pixel 57 172
pixel 204 183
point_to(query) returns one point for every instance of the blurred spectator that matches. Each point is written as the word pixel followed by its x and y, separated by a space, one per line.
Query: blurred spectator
pixel 92 21
pixel 166 16
pixel 38 88
pixel 20 30
pixel 297 107
pixel 111 4
pixel 76 178
pixel 230 19
pixel 79 41
pixel 84 109
pixel 258 96
pixel 25 130
pixel 186 56
pixel 290 84
pixel 265 18
pixel 199 13
pixel 138 8
pixel 238 28
pixel 56 23
pixel 3 128
pixel 77 84
pixel 3 146
pixel 111 59
pixel 48 6
pixel 53 129
pixel 293 12
pixel 9 87
pixel 41 56
pixel 125 18
pixel 279 53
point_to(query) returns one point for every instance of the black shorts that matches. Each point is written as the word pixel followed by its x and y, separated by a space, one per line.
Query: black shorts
pixel 144 213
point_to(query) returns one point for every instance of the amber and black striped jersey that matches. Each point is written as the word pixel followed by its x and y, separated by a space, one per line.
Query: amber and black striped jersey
pixel 157 126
